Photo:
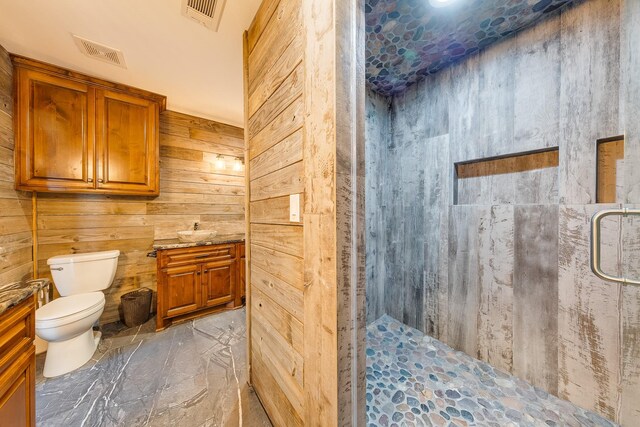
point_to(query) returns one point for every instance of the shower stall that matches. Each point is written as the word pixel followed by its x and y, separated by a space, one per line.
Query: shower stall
pixel 492 296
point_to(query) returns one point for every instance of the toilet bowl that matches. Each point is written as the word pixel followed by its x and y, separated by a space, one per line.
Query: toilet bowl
pixel 66 323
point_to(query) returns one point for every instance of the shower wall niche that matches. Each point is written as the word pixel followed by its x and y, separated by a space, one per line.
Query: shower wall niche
pixel 520 178
pixel 481 181
pixel 610 172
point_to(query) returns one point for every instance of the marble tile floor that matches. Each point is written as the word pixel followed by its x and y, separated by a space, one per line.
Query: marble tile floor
pixel 416 380
pixel 191 374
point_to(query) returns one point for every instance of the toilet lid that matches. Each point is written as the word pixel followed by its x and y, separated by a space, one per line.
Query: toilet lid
pixel 68 306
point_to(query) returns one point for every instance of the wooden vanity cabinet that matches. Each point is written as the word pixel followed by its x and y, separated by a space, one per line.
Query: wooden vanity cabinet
pixel 18 365
pixel 197 281
pixel 76 133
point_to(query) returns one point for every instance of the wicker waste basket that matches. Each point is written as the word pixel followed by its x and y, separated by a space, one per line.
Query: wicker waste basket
pixel 136 306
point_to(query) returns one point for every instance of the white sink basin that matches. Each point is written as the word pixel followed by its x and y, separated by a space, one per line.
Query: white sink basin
pixel 192 236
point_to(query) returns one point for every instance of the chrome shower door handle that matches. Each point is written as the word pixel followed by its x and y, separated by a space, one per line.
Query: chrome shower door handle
pixel 596 221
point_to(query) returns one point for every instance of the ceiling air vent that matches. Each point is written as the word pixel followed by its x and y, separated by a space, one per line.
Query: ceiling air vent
pixel 100 52
pixel 205 12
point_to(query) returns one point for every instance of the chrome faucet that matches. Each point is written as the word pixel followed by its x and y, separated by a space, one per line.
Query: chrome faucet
pixel 196 225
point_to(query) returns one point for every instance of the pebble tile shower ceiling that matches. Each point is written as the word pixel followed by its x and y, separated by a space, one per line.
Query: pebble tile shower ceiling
pixel 410 39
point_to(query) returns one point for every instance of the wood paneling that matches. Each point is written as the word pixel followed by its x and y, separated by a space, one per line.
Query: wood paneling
pixel 274 117
pixel 192 190
pixel 284 125
pixel 301 100
pixel 289 297
pixel 272 211
pixel 287 239
pixel 282 182
pixel 285 153
pixel 285 267
pixel 16 207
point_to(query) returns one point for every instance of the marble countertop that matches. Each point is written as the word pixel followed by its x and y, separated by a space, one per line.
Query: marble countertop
pixel 218 240
pixel 16 292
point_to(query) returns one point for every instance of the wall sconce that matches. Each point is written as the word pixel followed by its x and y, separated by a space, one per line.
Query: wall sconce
pixel 220 163
pixel 237 164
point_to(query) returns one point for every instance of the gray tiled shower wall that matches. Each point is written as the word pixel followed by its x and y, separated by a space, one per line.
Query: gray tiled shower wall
pixel 507 279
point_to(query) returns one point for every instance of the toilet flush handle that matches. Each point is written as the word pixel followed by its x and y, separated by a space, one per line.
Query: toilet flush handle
pixel 57 268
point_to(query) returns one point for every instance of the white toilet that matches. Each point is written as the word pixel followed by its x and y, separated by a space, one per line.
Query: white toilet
pixel 67 323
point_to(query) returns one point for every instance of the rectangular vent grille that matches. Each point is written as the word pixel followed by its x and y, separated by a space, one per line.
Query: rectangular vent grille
pixel 100 52
pixel 205 7
pixel 205 12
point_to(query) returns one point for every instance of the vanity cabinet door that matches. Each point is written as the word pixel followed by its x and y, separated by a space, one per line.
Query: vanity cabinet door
pixel 55 120
pixel 17 392
pixel 218 282
pixel 181 290
pixel 242 273
pixel 17 365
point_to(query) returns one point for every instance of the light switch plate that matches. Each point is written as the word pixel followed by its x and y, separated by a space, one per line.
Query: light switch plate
pixel 294 208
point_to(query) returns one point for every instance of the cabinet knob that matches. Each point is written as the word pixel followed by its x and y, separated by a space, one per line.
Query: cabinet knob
pixel 100 180
pixel 90 180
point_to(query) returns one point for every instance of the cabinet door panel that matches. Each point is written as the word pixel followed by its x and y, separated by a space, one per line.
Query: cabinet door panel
pixel 17 392
pixel 181 290
pixel 243 277
pixel 127 143
pixel 55 127
pixel 219 280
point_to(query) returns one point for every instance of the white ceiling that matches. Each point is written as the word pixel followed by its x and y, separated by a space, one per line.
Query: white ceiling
pixel 199 71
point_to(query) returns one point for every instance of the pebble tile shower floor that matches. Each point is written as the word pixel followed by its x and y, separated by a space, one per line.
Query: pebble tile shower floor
pixel 416 380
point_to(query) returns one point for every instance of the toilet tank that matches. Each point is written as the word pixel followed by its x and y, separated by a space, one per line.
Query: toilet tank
pixel 81 273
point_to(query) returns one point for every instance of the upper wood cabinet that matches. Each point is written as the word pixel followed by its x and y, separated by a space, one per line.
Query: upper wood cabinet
pixel 76 133
pixel 54 141
pixel 127 142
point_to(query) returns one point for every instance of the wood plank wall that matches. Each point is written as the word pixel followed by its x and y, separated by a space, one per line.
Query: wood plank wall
pixel 192 190
pixel 506 277
pixel 275 119
pixel 304 122
pixel 16 242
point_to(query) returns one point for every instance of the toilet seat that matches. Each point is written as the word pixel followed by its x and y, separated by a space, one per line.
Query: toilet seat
pixel 65 310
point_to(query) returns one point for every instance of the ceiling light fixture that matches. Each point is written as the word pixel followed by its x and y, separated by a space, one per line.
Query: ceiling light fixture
pixel 441 3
